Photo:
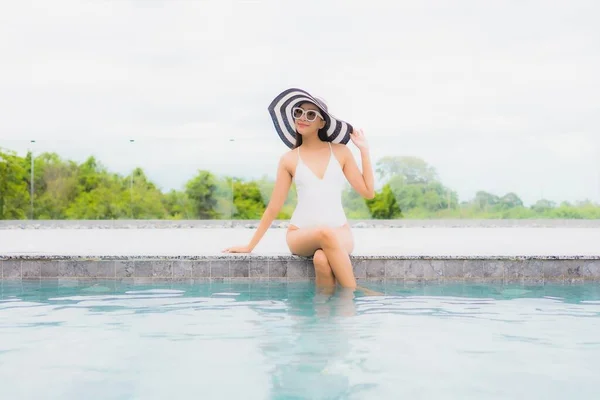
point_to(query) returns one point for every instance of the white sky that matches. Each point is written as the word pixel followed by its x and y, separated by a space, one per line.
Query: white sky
pixel 497 96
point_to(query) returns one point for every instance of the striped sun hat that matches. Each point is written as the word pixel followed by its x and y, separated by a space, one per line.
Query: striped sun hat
pixel 280 109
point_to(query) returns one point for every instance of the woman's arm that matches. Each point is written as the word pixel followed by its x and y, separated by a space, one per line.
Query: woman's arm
pixel 280 193
pixel 363 183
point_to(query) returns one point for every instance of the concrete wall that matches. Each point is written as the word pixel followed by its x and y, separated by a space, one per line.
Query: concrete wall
pixel 525 270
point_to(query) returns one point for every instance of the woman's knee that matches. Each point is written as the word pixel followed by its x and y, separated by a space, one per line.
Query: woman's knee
pixel 327 237
pixel 321 263
pixel 320 259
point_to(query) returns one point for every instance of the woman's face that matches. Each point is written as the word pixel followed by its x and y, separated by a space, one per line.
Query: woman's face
pixel 308 119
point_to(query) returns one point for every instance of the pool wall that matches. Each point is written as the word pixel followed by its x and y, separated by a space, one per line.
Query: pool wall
pixel 535 270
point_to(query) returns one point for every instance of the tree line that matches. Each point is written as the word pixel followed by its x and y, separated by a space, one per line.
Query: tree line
pixel 64 189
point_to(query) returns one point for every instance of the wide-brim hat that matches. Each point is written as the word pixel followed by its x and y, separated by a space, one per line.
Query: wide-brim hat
pixel 280 109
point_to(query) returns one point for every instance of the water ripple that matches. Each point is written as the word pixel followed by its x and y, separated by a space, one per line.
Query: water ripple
pixel 289 341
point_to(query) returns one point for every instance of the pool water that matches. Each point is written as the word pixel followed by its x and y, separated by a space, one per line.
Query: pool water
pixel 271 340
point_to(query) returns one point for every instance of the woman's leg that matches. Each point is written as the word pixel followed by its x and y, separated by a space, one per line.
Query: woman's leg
pixel 336 244
pixel 323 272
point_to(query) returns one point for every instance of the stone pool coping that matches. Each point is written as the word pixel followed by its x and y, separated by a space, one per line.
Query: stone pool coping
pixel 506 251
pixel 507 270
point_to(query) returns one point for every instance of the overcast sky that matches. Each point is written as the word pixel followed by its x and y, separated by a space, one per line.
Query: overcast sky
pixel 496 95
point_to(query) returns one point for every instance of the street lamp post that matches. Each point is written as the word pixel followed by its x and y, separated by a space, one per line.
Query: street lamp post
pixel 598 158
pixel 231 140
pixel 131 187
pixel 31 180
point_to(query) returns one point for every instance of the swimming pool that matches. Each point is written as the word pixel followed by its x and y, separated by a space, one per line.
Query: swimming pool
pixel 284 340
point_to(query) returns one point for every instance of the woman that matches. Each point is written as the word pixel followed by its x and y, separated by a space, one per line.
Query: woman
pixel 320 163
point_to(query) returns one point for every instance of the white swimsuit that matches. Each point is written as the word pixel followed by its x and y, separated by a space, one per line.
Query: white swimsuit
pixel 319 200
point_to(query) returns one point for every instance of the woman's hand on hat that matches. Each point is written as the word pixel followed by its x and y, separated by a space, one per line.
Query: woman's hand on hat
pixel 238 249
pixel 358 138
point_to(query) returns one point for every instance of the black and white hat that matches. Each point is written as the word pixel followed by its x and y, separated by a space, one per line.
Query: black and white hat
pixel 280 109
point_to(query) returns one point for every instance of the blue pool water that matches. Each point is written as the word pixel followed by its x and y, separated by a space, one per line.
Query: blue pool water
pixel 107 340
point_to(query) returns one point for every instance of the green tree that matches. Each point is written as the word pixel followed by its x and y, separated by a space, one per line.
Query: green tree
pixel 413 170
pixel 510 200
pixel 485 200
pixel 355 205
pixel 68 190
pixel 384 205
pixel 415 186
pixel 178 205
pixel 55 186
pixel 422 197
pixel 247 200
pixel 92 175
pixel 108 200
pixel 146 200
pixel 13 186
pixel 543 205
pixel 201 191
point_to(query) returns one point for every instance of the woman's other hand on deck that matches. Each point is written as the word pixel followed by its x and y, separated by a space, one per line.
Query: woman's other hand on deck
pixel 238 249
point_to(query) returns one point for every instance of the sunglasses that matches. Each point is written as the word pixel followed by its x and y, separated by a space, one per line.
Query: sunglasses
pixel 311 115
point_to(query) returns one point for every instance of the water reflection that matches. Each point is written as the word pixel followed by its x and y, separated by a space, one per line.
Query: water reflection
pixel 306 356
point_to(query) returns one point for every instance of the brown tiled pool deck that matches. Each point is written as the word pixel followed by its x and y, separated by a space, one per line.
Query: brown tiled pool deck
pixel 537 253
